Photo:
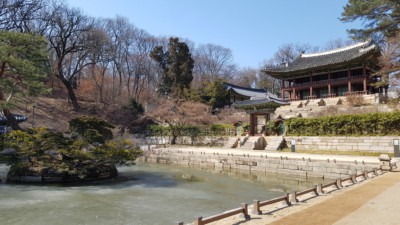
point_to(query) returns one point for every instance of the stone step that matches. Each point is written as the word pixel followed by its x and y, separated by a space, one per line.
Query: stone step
pixel 274 142
pixel 232 142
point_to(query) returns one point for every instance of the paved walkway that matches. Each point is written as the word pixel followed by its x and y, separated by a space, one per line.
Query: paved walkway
pixel 370 159
pixel 375 201
pixel 371 203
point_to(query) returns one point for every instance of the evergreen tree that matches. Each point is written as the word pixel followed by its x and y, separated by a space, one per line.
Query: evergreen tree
pixel 23 68
pixel 215 94
pixel 176 66
pixel 380 17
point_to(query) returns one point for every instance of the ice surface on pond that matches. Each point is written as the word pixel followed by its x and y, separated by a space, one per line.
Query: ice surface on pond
pixel 159 194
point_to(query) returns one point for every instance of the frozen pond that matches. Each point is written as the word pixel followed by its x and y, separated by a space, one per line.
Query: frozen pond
pixel 158 196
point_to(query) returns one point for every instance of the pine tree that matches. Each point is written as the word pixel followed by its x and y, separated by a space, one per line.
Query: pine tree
pixel 176 66
pixel 23 67
pixel 380 17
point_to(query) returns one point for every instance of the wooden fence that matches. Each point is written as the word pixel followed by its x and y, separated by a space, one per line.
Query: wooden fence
pixel 296 194
pixel 257 204
pixel 243 210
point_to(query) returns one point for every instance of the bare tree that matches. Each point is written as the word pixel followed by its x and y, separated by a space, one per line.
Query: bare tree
pixel 337 43
pixel 178 114
pixel 25 16
pixel 390 63
pixel 100 57
pixel 288 52
pixel 139 63
pixel 121 33
pixel 285 54
pixel 67 34
pixel 246 77
pixel 211 62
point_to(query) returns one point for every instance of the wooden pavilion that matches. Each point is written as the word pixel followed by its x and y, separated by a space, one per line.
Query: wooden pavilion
pixel 332 73
pixel 258 103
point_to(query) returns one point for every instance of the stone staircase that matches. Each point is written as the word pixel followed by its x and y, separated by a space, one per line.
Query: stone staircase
pixel 249 143
pixel 232 142
pixel 307 108
pixel 274 142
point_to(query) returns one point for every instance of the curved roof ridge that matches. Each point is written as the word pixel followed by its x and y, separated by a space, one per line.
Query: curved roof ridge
pixel 246 88
pixel 356 45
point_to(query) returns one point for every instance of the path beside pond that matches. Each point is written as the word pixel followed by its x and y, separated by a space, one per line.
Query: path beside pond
pixel 375 201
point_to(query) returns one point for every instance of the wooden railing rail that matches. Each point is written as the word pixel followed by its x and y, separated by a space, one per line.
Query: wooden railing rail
pixel 242 210
pixel 314 189
pixel 336 183
pixel 257 204
pixel 364 175
pixel 354 93
pixel 311 97
pixel 373 171
pixel 352 178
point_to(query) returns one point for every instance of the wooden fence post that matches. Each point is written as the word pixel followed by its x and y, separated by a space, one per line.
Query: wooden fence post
pixel 319 188
pixel 293 197
pixel 339 183
pixel 353 179
pixel 198 221
pixel 245 211
pixel 288 199
pixel 256 207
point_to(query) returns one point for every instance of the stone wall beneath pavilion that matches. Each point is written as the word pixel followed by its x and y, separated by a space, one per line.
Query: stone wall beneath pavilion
pixel 382 144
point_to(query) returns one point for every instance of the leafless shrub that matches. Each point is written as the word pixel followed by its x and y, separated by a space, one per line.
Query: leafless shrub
pixel 355 100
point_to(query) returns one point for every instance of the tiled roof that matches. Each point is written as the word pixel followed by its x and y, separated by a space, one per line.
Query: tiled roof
pixel 323 59
pixel 260 101
pixel 19 118
pixel 249 92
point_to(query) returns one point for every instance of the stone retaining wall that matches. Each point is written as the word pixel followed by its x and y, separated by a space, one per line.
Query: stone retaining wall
pixel 185 140
pixel 293 167
pixel 382 144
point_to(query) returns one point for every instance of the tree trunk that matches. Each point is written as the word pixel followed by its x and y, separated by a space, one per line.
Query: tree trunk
pixel 173 140
pixel 71 94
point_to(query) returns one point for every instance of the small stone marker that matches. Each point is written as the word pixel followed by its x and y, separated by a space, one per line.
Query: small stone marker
pixel 385 162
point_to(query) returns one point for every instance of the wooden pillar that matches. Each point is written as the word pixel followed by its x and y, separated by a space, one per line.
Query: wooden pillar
pixel 282 87
pixel 252 124
pixel 364 79
pixel 329 83
pixel 311 88
pixel 348 81
pixel 294 89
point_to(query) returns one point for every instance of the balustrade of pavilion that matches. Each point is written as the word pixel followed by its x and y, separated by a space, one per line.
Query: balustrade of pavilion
pixel 327 81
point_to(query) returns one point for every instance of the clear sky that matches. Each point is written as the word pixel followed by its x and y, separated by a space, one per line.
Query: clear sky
pixel 252 29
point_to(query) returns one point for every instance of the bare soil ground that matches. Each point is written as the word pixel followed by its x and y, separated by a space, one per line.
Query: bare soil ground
pixel 55 113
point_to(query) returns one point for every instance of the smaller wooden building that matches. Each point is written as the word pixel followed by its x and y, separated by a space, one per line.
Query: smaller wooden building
pixel 258 103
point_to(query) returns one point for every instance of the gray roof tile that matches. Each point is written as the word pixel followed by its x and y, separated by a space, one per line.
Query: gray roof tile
pixel 319 60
